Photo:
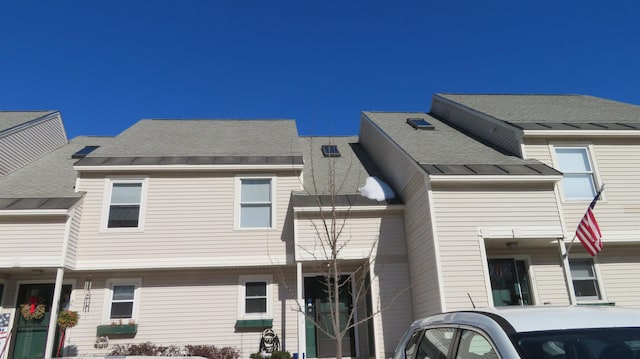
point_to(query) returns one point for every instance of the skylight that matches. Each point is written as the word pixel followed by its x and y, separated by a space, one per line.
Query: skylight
pixel 420 124
pixel 84 152
pixel 330 151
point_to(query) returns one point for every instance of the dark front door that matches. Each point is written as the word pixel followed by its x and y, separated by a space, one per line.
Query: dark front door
pixel 509 282
pixel 30 332
pixel 318 306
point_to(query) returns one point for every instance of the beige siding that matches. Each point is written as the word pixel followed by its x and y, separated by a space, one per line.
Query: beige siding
pixel 72 244
pixel 618 166
pixel 360 236
pixel 410 183
pixel 189 221
pixel 619 267
pixel 21 147
pixel 31 243
pixel 461 213
pixel 493 131
pixel 188 307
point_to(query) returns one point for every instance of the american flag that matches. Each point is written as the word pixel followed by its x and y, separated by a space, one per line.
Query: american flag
pixel 588 231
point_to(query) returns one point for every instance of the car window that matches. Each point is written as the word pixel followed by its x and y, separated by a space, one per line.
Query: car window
pixel 435 343
pixel 474 346
pixel 412 345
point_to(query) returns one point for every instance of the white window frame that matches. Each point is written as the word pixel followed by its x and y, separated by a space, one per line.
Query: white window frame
pixel 238 199
pixel 108 295
pixel 593 173
pixel 242 314
pixel 597 277
pixel 109 182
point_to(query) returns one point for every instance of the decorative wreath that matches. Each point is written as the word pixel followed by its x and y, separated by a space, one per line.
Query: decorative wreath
pixel 32 310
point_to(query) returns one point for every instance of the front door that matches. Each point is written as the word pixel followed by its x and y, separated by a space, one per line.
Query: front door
pixel 509 282
pixel 32 320
pixel 318 306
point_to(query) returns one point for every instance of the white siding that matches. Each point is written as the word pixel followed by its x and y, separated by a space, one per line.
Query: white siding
pixel 31 243
pixel 189 221
pixel 461 213
pixel 72 245
pixel 409 181
pixel 619 267
pixel 19 148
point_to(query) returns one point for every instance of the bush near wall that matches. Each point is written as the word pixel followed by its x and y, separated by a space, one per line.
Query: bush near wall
pixel 150 349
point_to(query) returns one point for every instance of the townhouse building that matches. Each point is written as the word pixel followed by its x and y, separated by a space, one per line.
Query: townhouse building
pixel 209 231
pixel 198 232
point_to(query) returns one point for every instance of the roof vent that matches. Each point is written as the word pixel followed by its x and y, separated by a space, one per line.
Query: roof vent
pixel 420 124
pixel 84 152
pixel 330 151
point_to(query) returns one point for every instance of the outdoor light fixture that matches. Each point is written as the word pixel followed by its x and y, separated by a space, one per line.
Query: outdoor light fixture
pixel 512 245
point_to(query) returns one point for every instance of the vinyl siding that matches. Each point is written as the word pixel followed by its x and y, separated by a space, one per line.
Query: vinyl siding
pixel 72 245
pixel 361 236
pixel 495 132
pixel 410 183
pixel 31 243
pixel 619 267
pixel 188 307
pixel 618 166
pixel 461 213
pixel 188 222
pixel 22 147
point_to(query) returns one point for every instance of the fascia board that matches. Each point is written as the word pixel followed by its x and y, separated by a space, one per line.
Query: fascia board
pixel 35 212
pixel 586 133
pixel 395 207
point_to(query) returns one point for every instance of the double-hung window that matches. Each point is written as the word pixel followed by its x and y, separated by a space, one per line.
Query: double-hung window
pixel 578 181
pixel 585 281
pixel 255 297
pixel 124 204
pixel 123 298
pixel 255 203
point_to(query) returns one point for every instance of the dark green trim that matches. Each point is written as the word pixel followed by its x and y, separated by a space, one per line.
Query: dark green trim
pixel 121 330
pixel 254 323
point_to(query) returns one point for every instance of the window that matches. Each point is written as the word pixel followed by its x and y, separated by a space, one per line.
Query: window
pixel 124 205
pixel 585 282
pixel 330 151
pixel 578 180
pixel 255 203
pixel 123 297
pixel 473 345
pixel 435 343
pixel 412 345
pixel 255 297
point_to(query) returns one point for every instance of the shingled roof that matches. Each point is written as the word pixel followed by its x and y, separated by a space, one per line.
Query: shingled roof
pixel 553 112
pixel 444 150
pixel 11 119
pixel 339 177
pixel 206 141
pixel 47 183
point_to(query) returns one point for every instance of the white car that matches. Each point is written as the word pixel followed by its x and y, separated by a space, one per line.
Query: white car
pixel 575 332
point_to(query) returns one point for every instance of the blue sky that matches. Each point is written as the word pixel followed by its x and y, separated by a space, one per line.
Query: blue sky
pixel 107 64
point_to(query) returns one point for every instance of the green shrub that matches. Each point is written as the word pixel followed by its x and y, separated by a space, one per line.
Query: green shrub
pixel 211 352
pixel 280 355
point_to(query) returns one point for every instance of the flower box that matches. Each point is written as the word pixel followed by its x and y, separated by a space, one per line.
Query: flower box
pixel 128 330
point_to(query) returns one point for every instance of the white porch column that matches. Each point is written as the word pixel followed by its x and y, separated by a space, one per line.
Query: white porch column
pixel 302 335
pixel 564 255
pixel 53 320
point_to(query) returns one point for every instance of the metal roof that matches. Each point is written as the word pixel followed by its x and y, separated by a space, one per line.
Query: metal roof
pixel 553 112
pixel 448 151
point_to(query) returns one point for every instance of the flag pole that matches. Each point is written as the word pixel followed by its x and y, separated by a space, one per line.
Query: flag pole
pixel 575 234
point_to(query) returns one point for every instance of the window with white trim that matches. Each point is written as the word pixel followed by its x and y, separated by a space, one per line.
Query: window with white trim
pixel 585 281
pixel 255 297
pixel 256 203
pixel 578 181
pixel 122 298
pixel 125 204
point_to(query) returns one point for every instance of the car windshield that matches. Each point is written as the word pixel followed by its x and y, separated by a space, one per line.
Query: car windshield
pixel 605 343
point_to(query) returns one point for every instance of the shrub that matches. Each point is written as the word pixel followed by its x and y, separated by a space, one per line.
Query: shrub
pixel 275 355
pixel 148 348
